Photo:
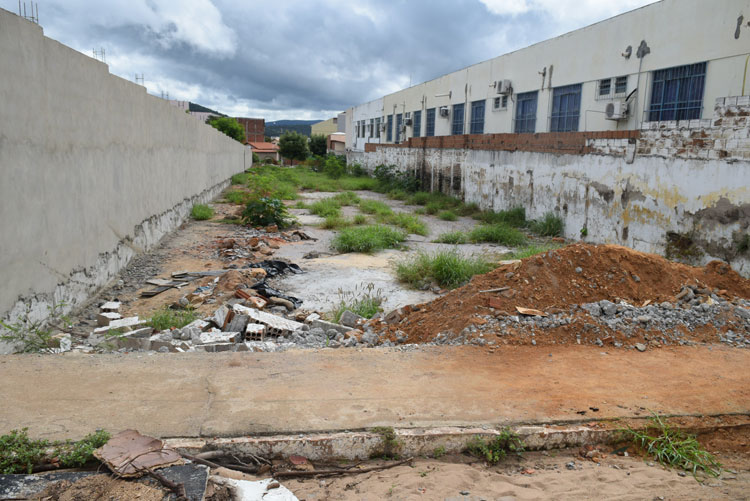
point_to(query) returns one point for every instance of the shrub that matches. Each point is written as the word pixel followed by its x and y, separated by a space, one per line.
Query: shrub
pixel 549 226
pixel 293 146
pixel 256 158
pixel 448 268
pixel 20 454
pixel 389 178
pixel 495 449
pixel 241 178
pixel 318 144
pixel 497 233
pixel 266 212
pixel 228 126
pixel 368 239
pixel 357 170
pixel 327 207
pixel 166 319
pixel 34 336
pixel 201 212
pixel 452 237
pixel 334 167
pixel 447 215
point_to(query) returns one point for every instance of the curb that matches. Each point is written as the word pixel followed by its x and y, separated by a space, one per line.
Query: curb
pixel 359 445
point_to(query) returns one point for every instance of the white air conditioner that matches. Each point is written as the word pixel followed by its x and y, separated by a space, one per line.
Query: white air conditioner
pixel 445 111
pixel 503 87
pixel 407 122
pixel 616 110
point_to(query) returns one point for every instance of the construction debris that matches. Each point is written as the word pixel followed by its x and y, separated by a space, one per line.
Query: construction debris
pixel 130 454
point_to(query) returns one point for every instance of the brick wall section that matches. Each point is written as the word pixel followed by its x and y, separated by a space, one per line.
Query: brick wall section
pixel 576 143
pixel 255 129
pixel 725 136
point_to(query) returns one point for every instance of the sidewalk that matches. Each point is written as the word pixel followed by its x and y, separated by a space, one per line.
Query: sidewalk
pixel 236 394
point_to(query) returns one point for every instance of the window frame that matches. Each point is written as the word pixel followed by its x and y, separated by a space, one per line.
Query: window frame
pixel 566 99
pixel 416 122
pixel 691 75
pixel 429 126
pixel 389 129
pixel 476 126
pixel 399 124
pixel 526 124
pixel 457 119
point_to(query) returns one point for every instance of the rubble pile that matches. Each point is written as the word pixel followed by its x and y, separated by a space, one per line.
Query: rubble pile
pixel 587 294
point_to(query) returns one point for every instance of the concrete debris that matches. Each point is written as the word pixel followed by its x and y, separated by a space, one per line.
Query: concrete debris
pixel 129 453
pixel 120 324
pixel 110 306
pixel 262 490
pixel 276 325
pixel 350 319
pixel 105 318
pixel 255 332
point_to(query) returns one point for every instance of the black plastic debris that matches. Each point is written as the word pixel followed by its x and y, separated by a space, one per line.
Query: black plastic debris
pixel 268 292
pixel 275 268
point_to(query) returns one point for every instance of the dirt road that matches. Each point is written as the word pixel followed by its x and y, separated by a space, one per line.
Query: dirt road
pixel 234 394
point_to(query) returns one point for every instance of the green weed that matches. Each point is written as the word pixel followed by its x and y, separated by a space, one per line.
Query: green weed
pixel 201 212
pixel 359 219
pixel 452 237
pixel 389 446
pixel 34 336
pixel 327 207
pixel 335 223
pixel 368 239
pixel 447 268
pixel 20 454
pixel 166 319
pixel 549 226
pixel 409 222
pixel 673 447
pixel 347 198
pixel 513 217
pixel 241 178
pixel 495 449
pixel 375 207
pixel 448 215
pixel 433 208
pixel 499 233
pixel 365 303
pixel 438 452
pixel 238 197
pixel 266 212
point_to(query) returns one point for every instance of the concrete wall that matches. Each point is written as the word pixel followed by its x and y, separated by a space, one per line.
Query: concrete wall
pixel 94 170
pixel 644 191
pixel 677 32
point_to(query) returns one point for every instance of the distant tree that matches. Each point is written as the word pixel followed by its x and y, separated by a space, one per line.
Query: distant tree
pixel 293 145
pixel 229 126
pixel 318 145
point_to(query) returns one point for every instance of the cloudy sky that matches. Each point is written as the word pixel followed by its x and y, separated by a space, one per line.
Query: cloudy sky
pixel 304 59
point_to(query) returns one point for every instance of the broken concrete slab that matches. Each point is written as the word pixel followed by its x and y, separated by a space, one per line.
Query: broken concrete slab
pixel 119 324
pixel 350 319
pixel 265 490
pixel 218 347
pixel 110 306
pixel 213 337
pixel 238 323
pixel 107 317
pixel 276 326
pixel 326 326
pixel 219 317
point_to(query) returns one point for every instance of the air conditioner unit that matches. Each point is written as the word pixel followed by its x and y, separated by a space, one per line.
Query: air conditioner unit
pixel 407 122
pixel 445 111
pixel 616 110
pixel 503 87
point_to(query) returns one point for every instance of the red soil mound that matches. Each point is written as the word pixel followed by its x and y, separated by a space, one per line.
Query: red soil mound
pixel 573 275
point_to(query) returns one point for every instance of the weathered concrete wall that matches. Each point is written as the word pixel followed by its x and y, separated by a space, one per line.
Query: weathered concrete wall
pixel 643 193
pixel 93 169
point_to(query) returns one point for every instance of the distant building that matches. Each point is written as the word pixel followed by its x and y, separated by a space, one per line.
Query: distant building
pixel 336 143
pixel 325 127
pixel 255 129
pixel 341 122
pixel 265 150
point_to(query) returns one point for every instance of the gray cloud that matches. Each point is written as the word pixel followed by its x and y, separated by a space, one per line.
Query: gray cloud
pixel 304 58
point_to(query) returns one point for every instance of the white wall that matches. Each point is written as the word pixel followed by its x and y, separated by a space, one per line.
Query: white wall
pixel 94 170
pixel 368 111
pixel 677 32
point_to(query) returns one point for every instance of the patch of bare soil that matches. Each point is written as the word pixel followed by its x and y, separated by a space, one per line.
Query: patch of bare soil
pixel 101 487
pixel 559 279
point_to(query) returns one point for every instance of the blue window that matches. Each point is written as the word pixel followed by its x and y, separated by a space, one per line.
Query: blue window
pixel 677 93
pixel 458 119
pixel 477 117
pixel 566 108
pixel 389 130
pixel 429 126
pixel 526 112
pixel 377 127
pixel 417 123
pixel 399 124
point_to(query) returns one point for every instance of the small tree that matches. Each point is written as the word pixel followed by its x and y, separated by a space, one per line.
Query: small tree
pixel 229 126
pixel 318 145
pixel 293 145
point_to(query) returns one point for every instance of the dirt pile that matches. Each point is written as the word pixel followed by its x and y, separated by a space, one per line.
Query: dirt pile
pixel 627 286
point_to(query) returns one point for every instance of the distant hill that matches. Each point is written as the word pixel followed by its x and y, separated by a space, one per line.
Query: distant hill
pixel 278 127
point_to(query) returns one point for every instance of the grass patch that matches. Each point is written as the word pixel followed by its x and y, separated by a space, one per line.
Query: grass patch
pixel 398 195
pixel 420 198
pixel 452 237
pixel 20 454
pixel 499 233
pixel 375 207
pixel 531 250
pixel 301 205
pixel 550 225
pixel 513 217
pixel 469 210
pixel 368 239
pixel 408 222
pixel 448 269
pixel 238 197
pixel 448 215
pixel 347 198
pixel 327 207
pixel 365 303
pixel 166 319
pixel 359 219
pixel 201 212
pixel 673 447
pixel 241 178
pixel 495 449
pixel 335 223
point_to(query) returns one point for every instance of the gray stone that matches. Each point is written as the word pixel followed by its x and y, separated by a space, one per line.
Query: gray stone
pixel 608 308
pixel 163 349
pixel 742 312
pixel 579 270
pixel 369 338
pixel 640 347
pixel 593 308
pixel 322 324
pixel 332 333
pixel 350 319
pixel 644 319
pixel 316 332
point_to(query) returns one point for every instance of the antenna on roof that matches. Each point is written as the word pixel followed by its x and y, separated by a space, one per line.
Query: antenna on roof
pixel 100 55
pixel 139 79
pixel 34 18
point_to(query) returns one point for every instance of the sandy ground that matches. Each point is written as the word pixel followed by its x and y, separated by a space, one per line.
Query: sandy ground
pixel 535 476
